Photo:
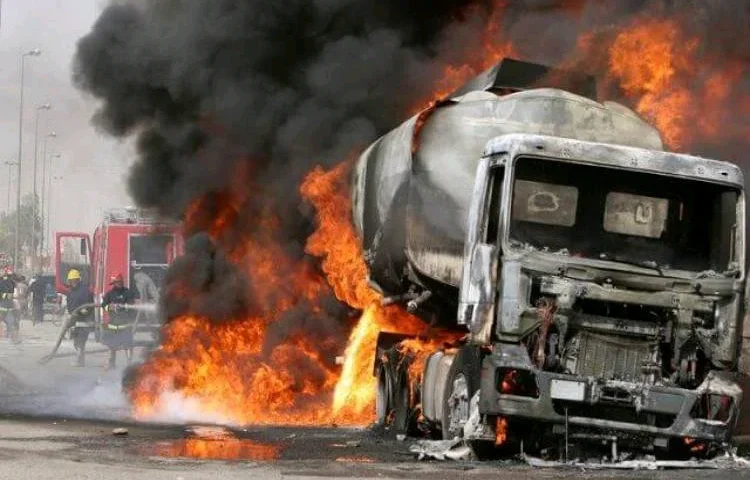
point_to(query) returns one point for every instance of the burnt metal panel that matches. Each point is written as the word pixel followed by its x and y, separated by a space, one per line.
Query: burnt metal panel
pixel 515 74
pixel 575 289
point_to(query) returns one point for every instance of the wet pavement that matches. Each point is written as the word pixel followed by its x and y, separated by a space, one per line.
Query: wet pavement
pixel 58 421
pixel 60 448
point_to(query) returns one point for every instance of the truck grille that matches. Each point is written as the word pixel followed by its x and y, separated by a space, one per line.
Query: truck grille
pixel 607 357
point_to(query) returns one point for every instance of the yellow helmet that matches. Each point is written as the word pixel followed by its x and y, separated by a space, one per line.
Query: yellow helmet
pixel 74 275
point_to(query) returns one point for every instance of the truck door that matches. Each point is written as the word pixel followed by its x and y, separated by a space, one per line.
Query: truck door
pixel 72 251
pixel 481 252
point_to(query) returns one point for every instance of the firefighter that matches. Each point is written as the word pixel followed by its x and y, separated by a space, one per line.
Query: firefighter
pixel 79 296
pixel 7 305
pixel 117 333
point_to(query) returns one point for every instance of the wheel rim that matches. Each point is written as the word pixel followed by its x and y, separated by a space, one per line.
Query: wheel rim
pixel 458 406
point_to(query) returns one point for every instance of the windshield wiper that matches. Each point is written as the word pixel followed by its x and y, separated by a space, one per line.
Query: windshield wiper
pixel 650 264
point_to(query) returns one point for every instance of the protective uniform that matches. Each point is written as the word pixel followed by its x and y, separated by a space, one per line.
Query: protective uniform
pixel 117 332
pixel 8 311
pixel 78 296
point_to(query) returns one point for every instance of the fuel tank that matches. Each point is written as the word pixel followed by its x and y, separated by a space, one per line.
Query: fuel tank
pixel 411 189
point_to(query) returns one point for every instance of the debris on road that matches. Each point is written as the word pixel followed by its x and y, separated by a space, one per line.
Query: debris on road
pixel 349 444
pixel 442 450
pixel 730 461
pixel 120 431
pixel 355 460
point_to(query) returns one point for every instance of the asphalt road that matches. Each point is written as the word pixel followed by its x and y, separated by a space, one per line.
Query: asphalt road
pixel 57 422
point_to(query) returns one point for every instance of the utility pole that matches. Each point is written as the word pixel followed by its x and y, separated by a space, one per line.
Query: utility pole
pixel 44 179
pixel 10 181
pixel 34 211
pixel 17 250
pixel 53 178
pixel 45 188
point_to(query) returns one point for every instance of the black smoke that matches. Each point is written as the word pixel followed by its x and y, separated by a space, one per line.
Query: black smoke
pixel 205 83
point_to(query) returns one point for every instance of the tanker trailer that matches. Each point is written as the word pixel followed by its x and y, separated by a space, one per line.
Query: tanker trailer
pixel 598 280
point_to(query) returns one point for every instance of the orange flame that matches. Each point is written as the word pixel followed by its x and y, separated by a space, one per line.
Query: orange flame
pixel 336 243
pixel 501 430
pixel 690 100
pixel 645 59
pixel 219 372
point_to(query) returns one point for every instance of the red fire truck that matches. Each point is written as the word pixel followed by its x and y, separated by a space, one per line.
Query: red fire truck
pixel 129 241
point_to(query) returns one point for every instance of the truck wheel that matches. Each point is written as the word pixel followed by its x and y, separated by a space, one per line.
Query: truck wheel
pixel 382 400
pixel 461 384
pixel 403 420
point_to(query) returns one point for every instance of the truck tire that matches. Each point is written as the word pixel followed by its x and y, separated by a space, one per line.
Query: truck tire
pixel 404 422
pixel 383 405
pixel 461 384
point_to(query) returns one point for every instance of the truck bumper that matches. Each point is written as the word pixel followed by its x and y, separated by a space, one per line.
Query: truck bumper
pixel 622 409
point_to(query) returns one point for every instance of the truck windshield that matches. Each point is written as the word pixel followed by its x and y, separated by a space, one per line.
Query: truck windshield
pixel 623 216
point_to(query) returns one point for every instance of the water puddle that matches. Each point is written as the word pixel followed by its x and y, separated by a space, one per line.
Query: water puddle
pixel 210 443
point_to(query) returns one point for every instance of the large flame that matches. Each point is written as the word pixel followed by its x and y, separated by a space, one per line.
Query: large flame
pixel 218 372
pixel 661 70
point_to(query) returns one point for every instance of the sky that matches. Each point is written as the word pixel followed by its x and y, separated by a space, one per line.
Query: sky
pixel 92 166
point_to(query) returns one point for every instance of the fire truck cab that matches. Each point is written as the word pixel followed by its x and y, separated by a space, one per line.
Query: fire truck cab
pixel 129 241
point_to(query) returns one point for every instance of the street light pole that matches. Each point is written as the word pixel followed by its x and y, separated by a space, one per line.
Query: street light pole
pixel 49 205
pixel 45 187
pixel 16 250
pixel 10 175
pixel 44 174
pixel 34 211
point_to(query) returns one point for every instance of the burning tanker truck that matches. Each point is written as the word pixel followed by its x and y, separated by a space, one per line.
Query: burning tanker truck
pixel 597 281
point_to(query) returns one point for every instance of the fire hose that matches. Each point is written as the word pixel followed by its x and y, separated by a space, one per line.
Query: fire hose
pixel 73 318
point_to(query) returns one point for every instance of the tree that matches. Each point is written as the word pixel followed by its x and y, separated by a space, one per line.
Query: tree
pixel 8 228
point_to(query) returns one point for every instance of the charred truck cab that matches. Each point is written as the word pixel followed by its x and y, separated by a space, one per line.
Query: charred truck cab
pixel 598 280
pixel 609 281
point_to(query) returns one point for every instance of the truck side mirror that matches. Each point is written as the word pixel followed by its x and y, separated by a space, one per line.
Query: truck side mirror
pixel 83 247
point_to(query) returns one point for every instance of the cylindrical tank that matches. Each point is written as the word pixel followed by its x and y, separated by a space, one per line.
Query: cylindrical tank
pixel 411 188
